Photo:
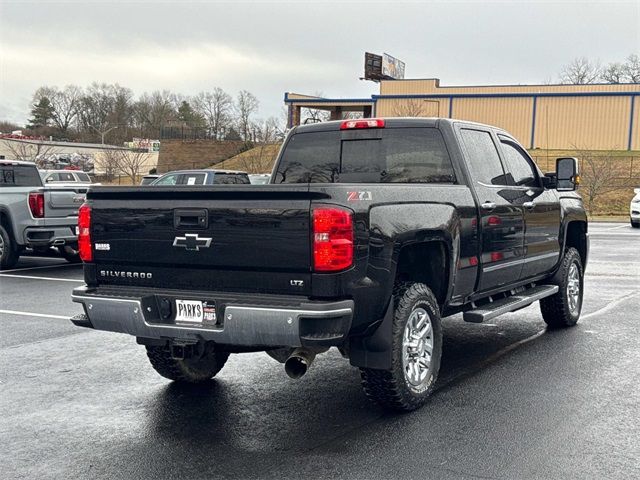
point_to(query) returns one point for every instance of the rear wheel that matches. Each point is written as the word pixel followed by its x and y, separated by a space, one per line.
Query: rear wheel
pixel 563 309
pixel 635 224
pixel 196 369
pixel 69 253
pixel 416 351
pixel 9 253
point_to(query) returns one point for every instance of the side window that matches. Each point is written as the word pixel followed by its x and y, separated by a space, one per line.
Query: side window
pixel 168 180
pixel 484 161
pixel 517 164
pixel 67 177
pixel 192 179
pixel 53 177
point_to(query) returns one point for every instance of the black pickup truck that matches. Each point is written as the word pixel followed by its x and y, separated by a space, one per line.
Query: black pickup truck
pixel 369 233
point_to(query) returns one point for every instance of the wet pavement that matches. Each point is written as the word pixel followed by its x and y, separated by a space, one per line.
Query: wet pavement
pixel 513 401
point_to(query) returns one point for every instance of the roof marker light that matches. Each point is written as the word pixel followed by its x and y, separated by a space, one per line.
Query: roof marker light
pixel 362 123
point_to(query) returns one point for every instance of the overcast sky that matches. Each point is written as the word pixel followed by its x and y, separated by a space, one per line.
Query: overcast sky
pixel 269 48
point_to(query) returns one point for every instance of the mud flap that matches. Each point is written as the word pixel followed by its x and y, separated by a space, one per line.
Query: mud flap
pixel 374 350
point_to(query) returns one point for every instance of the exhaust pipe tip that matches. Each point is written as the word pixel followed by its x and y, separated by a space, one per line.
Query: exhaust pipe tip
pixel 296 367
pixel 298 363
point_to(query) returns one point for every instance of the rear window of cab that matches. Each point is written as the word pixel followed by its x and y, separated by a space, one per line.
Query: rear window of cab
pixel 394 155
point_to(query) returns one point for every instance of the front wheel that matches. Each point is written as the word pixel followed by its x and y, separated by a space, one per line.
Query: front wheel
pixel 416 351
pixel 196 369
pixel 563 309
pixel 635 224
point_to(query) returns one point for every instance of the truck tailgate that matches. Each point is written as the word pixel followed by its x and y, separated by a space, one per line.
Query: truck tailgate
pixel 63 200
pixel 207 238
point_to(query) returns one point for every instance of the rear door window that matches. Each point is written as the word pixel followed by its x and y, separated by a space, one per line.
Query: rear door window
pixel 192 179
pixel 83 177
pixel 395 155
pixel 19 176
pixel 483 159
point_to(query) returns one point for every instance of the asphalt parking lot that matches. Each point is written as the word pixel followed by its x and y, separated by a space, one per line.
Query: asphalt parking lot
pixel 514 401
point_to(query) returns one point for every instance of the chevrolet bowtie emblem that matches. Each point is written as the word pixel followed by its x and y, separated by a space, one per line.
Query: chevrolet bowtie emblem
pixel 191 241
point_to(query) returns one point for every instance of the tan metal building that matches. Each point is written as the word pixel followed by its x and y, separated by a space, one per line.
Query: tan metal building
pixel 594 117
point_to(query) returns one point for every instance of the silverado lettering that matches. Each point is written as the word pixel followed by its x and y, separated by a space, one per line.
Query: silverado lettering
pixel 369 233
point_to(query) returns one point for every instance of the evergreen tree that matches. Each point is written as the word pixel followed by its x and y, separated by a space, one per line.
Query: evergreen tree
pixel 189 116
pixel 42 113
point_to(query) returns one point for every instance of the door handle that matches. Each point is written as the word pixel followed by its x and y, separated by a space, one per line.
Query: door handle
pixel 529 205
pixel 488 206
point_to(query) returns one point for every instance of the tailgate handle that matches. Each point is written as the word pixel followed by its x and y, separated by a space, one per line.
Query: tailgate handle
pixel 191 218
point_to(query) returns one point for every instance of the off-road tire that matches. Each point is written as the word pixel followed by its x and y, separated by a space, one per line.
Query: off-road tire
pixel 390 388
pixel 10 253
pixel 555 309
pixel 191 370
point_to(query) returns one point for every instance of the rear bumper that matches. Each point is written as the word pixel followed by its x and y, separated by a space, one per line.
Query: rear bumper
pixel 246 322
pixel 47 236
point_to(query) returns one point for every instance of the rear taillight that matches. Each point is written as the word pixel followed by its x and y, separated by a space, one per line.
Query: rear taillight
pixel 36 204
pixel 85 248
pixel 362 123
pixel 332 239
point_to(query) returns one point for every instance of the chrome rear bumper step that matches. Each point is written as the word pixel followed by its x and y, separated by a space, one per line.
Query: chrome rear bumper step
pixel 509 304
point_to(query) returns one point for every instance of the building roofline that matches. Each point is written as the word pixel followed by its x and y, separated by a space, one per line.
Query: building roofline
pixel 510 84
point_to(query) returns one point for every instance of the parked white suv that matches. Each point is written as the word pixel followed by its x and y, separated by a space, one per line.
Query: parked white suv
pixel 634 209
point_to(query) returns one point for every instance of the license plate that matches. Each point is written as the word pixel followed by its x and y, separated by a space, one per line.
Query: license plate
pixel 189 311
pixel 195 311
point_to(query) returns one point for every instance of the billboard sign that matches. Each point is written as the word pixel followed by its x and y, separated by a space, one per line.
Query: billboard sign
pixel 144 144
pixel 392 67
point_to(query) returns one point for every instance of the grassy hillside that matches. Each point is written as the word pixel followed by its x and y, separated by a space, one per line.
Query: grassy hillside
pixel 259 159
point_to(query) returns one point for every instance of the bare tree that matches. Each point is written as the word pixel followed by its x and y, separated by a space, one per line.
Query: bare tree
pixel 132 163
pixel 410 108
pixel 65 103
pixel 580 71
pixel 632 68
pixel 614 73
pixel 216 106
pixel 601 174
pixel 314 115
pixel 154 111
pixel 246 105
pixel 29 151
pixel 110 164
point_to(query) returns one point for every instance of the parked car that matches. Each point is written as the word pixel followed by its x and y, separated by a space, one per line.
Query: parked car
pixel 149 179
pixel 634 209
pixel 37 216
pixel 259 178
pixel 203 177
pixel 64 176
pixel 369 233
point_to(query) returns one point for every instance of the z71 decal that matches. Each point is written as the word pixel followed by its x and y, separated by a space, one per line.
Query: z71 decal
pixel 358 196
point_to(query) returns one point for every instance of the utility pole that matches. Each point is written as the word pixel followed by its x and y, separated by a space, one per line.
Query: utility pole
pixel 103 133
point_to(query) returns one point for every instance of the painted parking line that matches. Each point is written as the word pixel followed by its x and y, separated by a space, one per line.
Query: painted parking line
pixel 53 265
pixel 52 279
pixel 31 314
